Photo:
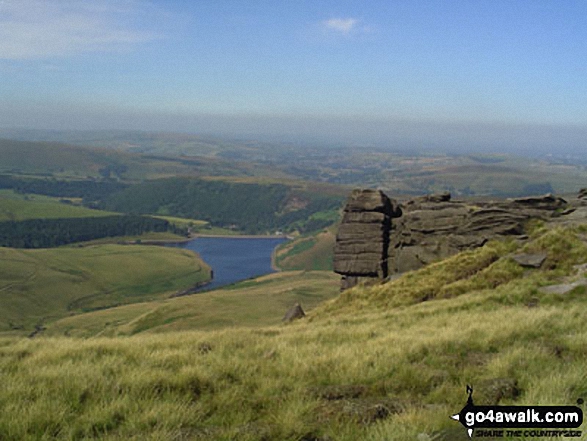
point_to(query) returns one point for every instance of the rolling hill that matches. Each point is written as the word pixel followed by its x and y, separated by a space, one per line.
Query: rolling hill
pixel 376 363
pixel 42 285
pixel 249 207
pixel 69 161
pixel 252 303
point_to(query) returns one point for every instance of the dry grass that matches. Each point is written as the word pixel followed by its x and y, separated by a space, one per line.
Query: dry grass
pixel 358 368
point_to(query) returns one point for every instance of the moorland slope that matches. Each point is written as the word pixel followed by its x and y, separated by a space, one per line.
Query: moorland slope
pixel 375 363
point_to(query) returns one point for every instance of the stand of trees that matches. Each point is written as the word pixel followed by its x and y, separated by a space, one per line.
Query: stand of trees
pixel 252 208
pixel 47 233
pixel 249 207
pixel 89 191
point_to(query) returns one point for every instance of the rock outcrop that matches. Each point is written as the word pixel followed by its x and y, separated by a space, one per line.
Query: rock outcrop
pixel 378 237
pixel 362 241
pixel 433 228
pixel 294 313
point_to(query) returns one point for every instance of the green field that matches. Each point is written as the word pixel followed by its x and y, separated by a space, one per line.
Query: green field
pixel 377 363
pixel 17 207
pixel 253 303
pixel 199 227
pixel 309 252
pixel 38 286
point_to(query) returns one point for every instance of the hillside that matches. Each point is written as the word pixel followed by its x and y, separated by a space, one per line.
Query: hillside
pixel 252 303
pixel 17 207
pixel 43 285
pixel 308 252
pixel 246 197
pixel 70 161
pixel 401 172
pixel 249 207
pixel 376 363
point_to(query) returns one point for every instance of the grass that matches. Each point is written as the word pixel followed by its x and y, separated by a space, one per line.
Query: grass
pixel 183 222
pixel 313 252
pixel 383 362
pixel 17 207
pixel 68 161
pixel 145 238
pixel 253 303
pixel 38 286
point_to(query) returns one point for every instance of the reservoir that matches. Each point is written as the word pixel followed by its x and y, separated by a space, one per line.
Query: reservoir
pixel 234 259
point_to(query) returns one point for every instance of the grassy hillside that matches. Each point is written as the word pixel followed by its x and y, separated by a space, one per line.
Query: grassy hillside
pixel 419 172
pixel 17 207
pixel 249 207
pixel 253 303
pixel 37 286
pixel 388 362
pixel 308 252
pixel 514 177
pixel 69 161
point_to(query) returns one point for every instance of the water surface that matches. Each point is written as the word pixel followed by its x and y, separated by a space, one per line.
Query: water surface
pixel 234 259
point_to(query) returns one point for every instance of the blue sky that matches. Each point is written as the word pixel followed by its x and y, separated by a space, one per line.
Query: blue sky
pixel 163 64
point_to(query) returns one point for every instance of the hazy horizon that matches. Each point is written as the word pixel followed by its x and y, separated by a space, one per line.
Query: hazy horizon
pixel 489 75
pixel 391 135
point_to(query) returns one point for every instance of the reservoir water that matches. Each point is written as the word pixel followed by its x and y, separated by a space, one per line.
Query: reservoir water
pixel 234 259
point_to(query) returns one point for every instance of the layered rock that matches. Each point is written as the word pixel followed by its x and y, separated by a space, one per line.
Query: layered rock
pixel 362 241
pixel 425 229
pixel 434 228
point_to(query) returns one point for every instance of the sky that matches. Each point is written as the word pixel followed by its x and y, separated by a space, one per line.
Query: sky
pixel 426 72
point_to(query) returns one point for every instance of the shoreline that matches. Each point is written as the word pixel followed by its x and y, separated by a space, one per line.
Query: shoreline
pixel 163 242
pixel 243 236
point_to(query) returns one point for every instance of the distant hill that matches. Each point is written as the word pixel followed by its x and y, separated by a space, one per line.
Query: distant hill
pixel 67 161
pixel 394 168
pixel 248 207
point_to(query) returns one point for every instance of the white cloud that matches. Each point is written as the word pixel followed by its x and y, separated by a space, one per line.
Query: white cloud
pixel 37 29
pixel 342 25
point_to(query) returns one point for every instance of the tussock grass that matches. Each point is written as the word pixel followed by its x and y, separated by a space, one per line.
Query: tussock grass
pixel 365 366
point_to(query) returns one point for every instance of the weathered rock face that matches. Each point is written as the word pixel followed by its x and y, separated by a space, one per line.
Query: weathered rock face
pixel 362 241
pixel 434 228
pixel 424 230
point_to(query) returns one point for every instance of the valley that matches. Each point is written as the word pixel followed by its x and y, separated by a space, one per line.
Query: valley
pixel 102 336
